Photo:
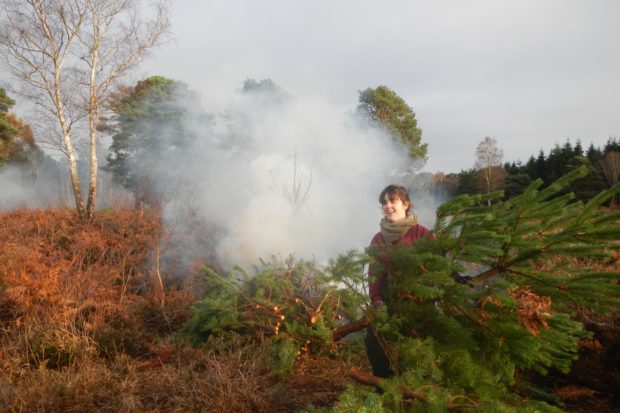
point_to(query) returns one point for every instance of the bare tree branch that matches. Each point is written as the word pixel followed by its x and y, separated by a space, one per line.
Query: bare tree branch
pixel 346 329
pixel 370 380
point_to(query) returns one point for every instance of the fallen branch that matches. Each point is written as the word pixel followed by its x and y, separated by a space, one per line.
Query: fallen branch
pixel 346 329
pixel 370 380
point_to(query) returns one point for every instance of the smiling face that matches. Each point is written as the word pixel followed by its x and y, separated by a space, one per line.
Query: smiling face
pixel 394 208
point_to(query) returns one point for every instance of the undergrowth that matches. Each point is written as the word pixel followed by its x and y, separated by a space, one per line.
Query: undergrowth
pixel 90 322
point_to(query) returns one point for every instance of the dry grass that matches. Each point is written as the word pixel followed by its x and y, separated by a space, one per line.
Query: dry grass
pixel 85 326
pixel 189 380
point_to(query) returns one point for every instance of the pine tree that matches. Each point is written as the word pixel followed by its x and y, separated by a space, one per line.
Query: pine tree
pixel 594 154
pixel 612 145
pixel 383 106
pixel 467 346
pixel 17 144
pixel 152 123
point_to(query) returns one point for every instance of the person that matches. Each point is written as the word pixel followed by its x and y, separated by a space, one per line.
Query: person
pixel 399 228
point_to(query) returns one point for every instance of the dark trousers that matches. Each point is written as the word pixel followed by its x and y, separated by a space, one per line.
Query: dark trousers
pixel 375 350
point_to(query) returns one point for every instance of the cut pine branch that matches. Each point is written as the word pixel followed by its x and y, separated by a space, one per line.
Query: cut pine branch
pixel 346 329
pixel 371 380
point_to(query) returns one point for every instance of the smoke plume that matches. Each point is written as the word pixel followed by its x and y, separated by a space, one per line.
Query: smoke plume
pixel 270 176
pixel 283 175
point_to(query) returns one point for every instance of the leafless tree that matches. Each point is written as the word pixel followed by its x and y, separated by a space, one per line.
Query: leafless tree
pixel 297 192
pixel 67 56
pixel 489 164
pixel 611 168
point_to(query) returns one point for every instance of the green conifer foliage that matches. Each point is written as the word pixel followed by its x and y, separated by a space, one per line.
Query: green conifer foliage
pixel 17 143
pixel 466 346
pixel 384 106
pixel 292 308
pixel 152 123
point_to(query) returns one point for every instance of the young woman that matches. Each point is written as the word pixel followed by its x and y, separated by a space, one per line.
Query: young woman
pixel 398 228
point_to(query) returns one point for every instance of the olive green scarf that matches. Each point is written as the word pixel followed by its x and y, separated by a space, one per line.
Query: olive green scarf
pixel 393 231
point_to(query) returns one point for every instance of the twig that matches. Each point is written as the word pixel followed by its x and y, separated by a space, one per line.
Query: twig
pixel 484 276
pixel 158 272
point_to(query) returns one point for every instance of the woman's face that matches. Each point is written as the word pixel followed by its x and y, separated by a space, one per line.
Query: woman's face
pixel 394 209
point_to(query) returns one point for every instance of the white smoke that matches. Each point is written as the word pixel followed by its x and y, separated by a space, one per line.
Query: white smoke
pixel 271 176
pixel 14 193
pixel 45 183
pixel 25 186
pixel 291 176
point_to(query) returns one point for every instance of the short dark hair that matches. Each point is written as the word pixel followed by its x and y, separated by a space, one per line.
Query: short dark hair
pixel 393 192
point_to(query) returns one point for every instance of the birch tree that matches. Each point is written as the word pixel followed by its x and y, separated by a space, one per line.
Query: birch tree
pixel 489 164
pixel 68 55
pixel 610 165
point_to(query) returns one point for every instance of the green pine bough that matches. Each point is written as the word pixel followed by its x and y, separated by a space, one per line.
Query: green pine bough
pixel 291 308
pixel 466 343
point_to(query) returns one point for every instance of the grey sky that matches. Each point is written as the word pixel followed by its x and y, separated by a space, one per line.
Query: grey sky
pixel 529 73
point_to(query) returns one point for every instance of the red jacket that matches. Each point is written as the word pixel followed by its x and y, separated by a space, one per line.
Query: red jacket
pixel 377 275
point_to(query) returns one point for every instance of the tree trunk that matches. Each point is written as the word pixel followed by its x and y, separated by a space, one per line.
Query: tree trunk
pixel 75 180
pixel 370 380
pixel 92 180
pixel 73 170
pixel 93 118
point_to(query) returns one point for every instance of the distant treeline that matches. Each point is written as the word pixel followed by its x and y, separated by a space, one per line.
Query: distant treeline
pixel 514 177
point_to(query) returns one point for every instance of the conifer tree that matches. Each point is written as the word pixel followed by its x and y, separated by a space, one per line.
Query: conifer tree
pixel 383 106
pixel 612 145
pixel 468 346
pixel 17 144
pixel 152 123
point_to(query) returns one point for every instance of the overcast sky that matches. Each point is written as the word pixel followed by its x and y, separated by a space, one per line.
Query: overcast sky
pixel 529 73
